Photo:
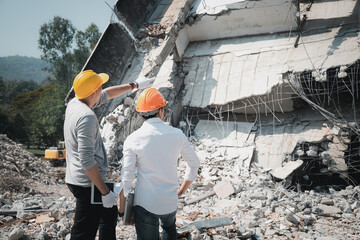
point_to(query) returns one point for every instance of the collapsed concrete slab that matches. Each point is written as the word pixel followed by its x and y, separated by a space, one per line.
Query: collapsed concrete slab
pixel 249 80
pixel 284 172
pixel 233 71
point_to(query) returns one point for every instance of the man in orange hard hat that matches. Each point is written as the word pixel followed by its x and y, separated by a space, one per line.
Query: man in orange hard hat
pixel 152 152
pixel 86 160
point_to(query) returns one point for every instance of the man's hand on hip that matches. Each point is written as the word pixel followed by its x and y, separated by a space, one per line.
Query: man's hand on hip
pixel 109 200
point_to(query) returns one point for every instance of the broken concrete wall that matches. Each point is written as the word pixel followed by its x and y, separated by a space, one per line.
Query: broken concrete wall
pixel 218 20
pixel 113 55
pixel 329 14
pixel 134 13
pixel 245 73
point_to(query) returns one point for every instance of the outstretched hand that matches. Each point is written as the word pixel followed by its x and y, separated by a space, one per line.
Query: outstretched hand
pixel 144 82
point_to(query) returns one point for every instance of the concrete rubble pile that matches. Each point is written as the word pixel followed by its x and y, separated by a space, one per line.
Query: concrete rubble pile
pixel 116 126
pixel 228 201
pixel 21 163
pixel 262 209
pixel 23 175
pixel 232 198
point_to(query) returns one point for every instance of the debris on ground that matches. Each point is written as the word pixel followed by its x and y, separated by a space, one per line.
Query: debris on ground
pixel 249 205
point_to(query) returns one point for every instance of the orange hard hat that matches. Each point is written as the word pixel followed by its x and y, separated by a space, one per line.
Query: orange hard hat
pixel 87 82
pixel 150 100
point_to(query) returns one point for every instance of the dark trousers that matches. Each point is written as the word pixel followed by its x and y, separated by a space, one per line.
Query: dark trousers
pixel 91 217
pixel 147 225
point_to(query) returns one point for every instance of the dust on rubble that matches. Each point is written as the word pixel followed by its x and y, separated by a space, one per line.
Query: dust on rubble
pixel 56 190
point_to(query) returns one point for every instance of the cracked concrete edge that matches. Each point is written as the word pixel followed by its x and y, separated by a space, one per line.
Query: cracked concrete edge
pixel 157 56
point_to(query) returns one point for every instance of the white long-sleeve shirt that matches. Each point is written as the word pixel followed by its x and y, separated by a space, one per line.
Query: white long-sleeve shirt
pixel 152 153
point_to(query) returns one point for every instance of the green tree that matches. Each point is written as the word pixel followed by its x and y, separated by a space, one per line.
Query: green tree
pixel 47 118
pixel 4 122
pixel 10 89
pixel 12 122
pixel 23 108
pixel 2 91
pixel 18 129
pixel 66 60
pixel 85 42
pixel 55 42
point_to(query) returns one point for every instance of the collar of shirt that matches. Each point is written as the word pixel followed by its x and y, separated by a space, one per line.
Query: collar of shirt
pixel 153 120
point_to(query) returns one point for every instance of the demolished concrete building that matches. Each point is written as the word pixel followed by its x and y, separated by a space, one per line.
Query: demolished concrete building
pixel 258 86
pixel 274 83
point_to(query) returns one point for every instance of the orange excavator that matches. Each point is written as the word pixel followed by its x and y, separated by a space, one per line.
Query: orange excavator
pixel 56 155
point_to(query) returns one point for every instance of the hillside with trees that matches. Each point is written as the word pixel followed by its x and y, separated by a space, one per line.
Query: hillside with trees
pixel 23 68
pixel 32 114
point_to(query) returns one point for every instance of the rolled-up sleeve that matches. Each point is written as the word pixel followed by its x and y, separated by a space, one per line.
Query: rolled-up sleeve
pixel 192 160
pixel 129 166
pixel 86 131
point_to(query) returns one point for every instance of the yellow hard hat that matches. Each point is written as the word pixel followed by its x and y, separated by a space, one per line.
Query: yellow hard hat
pixel 87 82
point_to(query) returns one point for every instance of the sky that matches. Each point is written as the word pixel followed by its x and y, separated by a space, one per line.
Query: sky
pixel 20 21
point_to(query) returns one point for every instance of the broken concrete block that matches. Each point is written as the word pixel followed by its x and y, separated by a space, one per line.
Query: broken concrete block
pixel 179 222
pixel 293 219
pixel 307 211
pixel 348 215
pixel 208 186
pixel 16 234
pixel 127 112
pixel 120 120
pixel 208 223
pixel 337 144
pixel 194 200
pixel 338 165
pixel 195 233
pixel 223 189
pixel 205 173
pixel 355 205
pixel 326 157
pixel 327 201
pixel 128 101
pixel 285 171
pixel 258 196
pixel 111 119
pixel 253 224
pixel 342 75
pixel 300 152
pixel 325 210
pixel 311 153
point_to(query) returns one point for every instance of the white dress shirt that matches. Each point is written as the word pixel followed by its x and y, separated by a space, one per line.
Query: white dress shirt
pixel 152 153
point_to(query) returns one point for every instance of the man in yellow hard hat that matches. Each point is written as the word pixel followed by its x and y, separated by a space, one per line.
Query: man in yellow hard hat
pixel 86 160
pixel 152 152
